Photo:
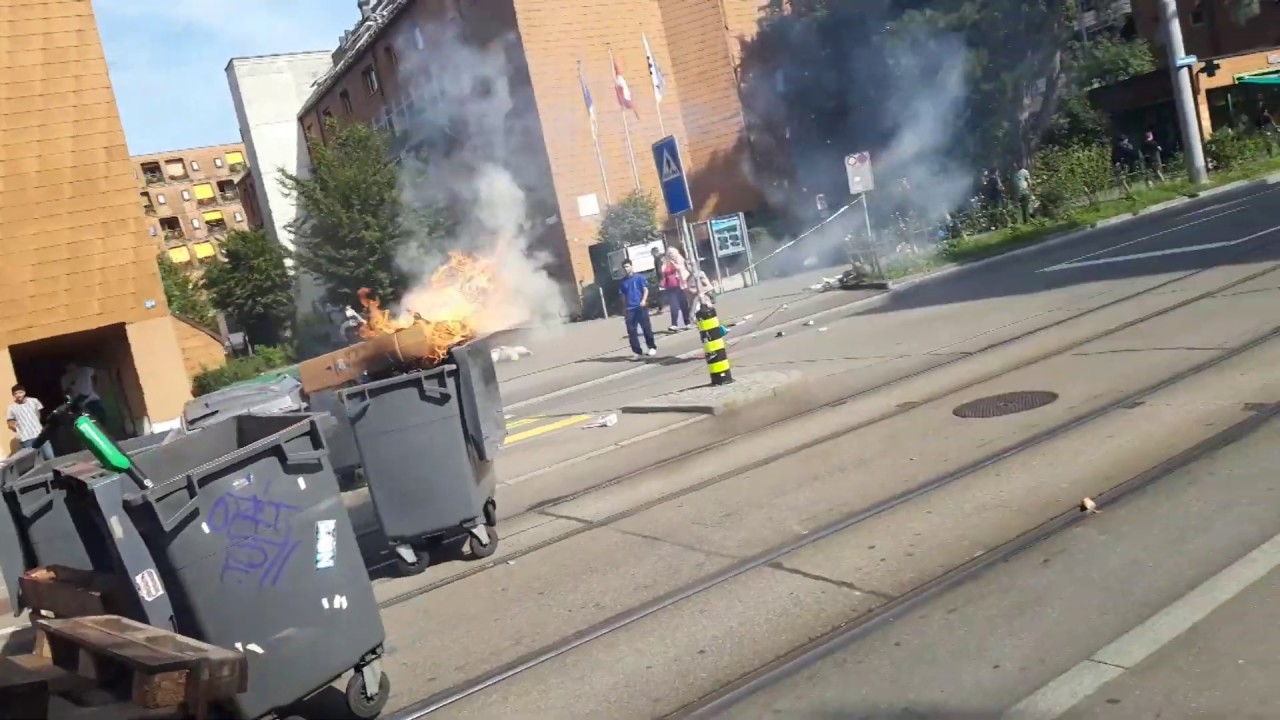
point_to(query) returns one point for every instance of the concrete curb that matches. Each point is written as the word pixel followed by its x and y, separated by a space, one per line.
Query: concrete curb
pixel 749 388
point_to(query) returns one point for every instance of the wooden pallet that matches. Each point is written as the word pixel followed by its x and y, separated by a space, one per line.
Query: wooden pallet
pixel 109 666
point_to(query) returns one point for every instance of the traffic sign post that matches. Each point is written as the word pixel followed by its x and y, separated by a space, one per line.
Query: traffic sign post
pixel 675 190
pixel 675 186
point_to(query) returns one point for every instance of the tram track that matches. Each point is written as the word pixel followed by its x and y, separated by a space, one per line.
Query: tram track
pixel 836 433
pixel 812 651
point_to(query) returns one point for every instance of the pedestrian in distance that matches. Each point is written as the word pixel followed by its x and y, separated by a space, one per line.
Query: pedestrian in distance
pixel 1152 159
pixel 1124 158
pixel 80 382
pixel 635 298
pixel 1022 186
pixel 24 421
pixel 657 272
pixel 676 285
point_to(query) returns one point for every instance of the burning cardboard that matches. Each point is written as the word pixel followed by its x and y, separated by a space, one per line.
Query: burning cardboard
pixel 452 309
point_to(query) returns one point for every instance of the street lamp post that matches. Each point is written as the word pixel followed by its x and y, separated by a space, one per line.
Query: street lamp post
pixel 1181 71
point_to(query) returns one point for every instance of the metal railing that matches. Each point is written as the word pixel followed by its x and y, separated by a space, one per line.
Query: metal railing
pixel 170 235
pixel 229 196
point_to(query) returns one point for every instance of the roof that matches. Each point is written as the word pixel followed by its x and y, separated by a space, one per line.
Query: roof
pixel 275 56
pixel 369 30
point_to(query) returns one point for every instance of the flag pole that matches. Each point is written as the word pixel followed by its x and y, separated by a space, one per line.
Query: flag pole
pixel 626 127
pixel 595 136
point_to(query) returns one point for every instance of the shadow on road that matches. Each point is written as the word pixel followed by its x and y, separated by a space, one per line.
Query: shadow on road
pixel 1179 240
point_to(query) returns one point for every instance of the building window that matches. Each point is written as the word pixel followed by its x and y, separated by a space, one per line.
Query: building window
pixel 186 194
pixel 390 53
pixel 153 230
pixel 345 97
pixel 370 77
pixel 1197 14
pixel 419 42
pixel 217 162
pixel 326 116
pixel 195 165
pixel 195 223
pixel 238 217
pixel 235 161
pixel 152 173
pixel 160 200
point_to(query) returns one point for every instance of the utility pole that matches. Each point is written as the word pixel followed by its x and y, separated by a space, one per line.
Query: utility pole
pixel 1181 71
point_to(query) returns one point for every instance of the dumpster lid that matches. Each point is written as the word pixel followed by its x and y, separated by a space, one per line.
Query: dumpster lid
pixel 281 395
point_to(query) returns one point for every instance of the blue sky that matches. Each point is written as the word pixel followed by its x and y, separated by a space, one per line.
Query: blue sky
pixel 168 58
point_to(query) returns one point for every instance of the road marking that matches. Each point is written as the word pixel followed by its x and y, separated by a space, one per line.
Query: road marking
pixel 524 421
pixel 543 429
pixel 1073 262
pixel 1086 678
pixel 1158 253
pixel 607 449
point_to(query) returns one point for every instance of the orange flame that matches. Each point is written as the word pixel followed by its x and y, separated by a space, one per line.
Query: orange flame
pixel 451 302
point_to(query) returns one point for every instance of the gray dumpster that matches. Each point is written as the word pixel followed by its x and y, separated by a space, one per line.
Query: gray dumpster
pixel 283 394
pixel 41 525
pixel 426 443
pixel 255 548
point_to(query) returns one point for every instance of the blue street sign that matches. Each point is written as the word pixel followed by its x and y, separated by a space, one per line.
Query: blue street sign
pixel 675 188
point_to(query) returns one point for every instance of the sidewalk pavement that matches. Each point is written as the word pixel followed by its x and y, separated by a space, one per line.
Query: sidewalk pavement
pixel 558 345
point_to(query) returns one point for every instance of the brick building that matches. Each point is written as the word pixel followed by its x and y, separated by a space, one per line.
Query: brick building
pixel 389 71
pixel 79 272
pixel 192 198
pixel 1239 61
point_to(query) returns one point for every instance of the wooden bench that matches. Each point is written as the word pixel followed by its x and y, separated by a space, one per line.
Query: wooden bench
pixel 108 660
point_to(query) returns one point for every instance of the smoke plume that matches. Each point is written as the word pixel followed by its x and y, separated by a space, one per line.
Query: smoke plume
pixel 474 120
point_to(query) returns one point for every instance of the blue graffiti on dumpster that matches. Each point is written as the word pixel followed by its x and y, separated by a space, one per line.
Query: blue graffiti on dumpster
pixel 258 533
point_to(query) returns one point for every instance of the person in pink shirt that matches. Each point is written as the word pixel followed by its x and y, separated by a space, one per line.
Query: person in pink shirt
pixel 675 282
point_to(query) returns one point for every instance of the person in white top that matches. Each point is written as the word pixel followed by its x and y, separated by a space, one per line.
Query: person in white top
pixel 79 382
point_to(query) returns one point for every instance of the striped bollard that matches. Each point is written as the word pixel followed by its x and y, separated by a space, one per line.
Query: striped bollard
pixel 714 346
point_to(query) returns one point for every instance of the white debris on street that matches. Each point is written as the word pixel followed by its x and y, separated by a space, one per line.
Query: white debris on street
pixel 603 421
pixel 509 353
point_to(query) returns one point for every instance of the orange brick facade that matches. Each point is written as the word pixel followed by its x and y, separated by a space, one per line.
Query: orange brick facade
pixel 696 43
pixel 79 271
pixel 192 199
pixel 1210 28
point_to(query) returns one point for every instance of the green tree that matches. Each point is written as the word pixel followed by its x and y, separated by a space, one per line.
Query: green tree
pixel 630 221
pixel 349 228
pixel 183 293
pixel 252 286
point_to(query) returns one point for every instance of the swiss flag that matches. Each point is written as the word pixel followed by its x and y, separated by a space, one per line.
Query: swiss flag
pixel 621 89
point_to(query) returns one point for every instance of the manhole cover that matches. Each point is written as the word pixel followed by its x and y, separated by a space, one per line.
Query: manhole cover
pixel 1005 404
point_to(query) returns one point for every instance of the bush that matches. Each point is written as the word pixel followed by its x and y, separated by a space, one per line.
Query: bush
pixel 1228 150
pixel 1066 176
pixel 264 360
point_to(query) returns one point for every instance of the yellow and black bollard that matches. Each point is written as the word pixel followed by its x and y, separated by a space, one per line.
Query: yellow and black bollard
pixel 713 343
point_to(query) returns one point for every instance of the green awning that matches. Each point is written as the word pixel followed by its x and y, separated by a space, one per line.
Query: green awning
pixel 1265 77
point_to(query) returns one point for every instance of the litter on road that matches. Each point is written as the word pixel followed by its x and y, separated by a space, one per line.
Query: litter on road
pixel 603 421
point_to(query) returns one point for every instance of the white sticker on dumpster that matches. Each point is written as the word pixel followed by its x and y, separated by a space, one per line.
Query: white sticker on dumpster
pixel 326 544
pixel 148 584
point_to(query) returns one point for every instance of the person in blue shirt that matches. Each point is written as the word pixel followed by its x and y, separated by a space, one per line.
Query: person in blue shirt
pixel 635 295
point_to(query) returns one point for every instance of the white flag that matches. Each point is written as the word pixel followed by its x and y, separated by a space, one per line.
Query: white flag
pixel 655 74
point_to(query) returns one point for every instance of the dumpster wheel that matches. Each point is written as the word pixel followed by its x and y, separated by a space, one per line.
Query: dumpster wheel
pixel 481 551
pixel 406 568
pixel 358 701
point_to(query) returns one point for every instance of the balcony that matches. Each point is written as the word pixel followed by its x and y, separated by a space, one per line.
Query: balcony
pixel 229 196
pixel 150 210
pixel 174 235
pixel 237 168
pixel 153 178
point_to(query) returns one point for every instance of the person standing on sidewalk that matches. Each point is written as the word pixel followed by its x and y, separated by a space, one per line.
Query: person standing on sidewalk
pixel 23 420
pixel 1152 156
pixel 675 285
pixel 657 271
pixel 635 298
pixel 1022 186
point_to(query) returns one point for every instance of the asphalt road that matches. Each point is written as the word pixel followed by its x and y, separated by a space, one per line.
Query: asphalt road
pixel 653 577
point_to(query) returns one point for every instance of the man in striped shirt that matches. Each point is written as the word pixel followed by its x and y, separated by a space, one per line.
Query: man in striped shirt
pixel 24 420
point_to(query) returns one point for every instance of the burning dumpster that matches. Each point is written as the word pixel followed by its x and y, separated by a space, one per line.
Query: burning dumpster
pixel 420 398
